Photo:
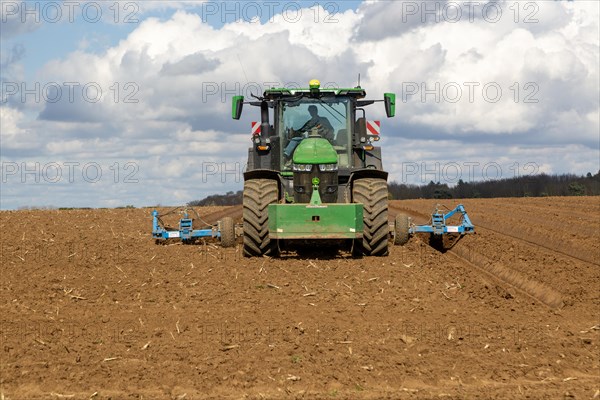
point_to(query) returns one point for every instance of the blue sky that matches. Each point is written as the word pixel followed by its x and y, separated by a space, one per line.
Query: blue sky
pixel 495 90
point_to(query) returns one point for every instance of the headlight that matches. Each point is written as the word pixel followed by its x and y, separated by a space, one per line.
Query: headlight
pixel 328 167
pixel 302 167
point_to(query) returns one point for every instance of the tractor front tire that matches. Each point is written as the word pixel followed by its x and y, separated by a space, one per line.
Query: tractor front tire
pixel 373 194
pixel 401 227
pixel 227 229
pixel 258 194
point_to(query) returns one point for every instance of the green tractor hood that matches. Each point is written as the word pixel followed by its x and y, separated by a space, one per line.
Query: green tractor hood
pixel 315 151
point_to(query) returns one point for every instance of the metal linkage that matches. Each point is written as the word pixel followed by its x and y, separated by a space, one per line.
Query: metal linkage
pixel 438 223
pixel 186 231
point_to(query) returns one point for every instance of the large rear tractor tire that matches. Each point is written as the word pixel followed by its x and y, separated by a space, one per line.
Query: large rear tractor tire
pixel 258 194
pixel 373 194
pixel 227 228
pixel 401 227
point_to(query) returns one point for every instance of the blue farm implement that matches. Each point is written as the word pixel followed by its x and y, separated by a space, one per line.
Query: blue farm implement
pixel 437 226
pixel 224 230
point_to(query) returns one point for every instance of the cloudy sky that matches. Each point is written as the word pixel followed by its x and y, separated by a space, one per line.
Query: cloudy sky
pixel 114 103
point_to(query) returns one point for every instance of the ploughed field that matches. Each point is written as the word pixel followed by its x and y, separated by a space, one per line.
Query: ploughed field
pixel 91 307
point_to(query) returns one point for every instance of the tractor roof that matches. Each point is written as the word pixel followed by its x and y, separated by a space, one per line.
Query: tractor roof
pixel 279 93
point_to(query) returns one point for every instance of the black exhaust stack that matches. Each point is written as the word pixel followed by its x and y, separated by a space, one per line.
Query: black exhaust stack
pixel 264 120
pixel 267 152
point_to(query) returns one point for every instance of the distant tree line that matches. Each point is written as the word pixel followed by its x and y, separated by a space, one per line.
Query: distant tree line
pixel 227 199
pixel 524 186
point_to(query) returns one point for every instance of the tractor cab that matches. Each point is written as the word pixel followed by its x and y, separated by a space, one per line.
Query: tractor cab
pixel 330 120
pixel 337 115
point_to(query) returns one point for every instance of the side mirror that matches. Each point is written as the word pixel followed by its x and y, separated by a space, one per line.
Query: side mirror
pixel 390 104
pixel 237 103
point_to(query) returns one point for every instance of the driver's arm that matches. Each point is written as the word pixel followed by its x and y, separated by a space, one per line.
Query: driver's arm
pixel 311 123
pixel 327 129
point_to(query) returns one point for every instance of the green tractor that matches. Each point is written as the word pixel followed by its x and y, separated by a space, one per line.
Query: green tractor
pixel 314 176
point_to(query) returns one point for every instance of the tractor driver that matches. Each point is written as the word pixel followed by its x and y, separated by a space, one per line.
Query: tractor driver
pixel 316 121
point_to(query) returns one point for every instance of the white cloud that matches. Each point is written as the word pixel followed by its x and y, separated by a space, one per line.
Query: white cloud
pixel 12 135
pixel 558 64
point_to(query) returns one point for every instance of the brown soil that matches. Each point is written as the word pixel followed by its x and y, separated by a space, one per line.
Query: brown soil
pixel 90 307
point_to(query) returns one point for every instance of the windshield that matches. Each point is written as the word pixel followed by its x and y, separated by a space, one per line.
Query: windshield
pixel 330 116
